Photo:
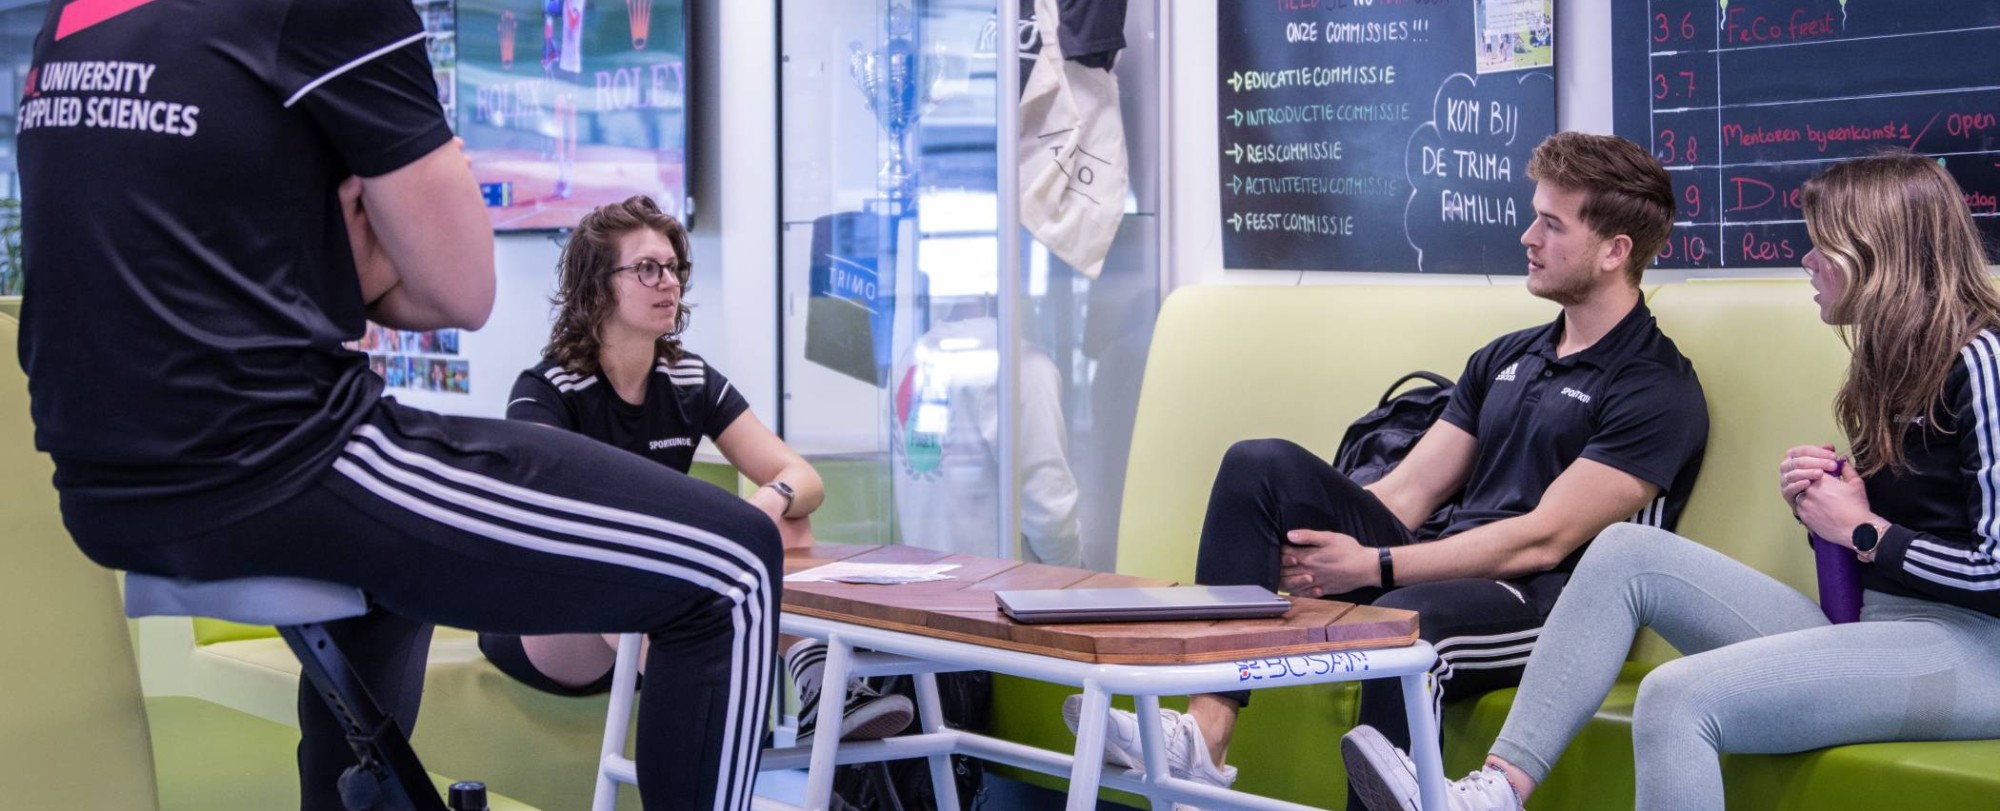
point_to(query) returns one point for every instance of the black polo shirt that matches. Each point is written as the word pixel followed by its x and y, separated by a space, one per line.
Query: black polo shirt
pixel 685 400
pixel 1630 401
pixel 189 281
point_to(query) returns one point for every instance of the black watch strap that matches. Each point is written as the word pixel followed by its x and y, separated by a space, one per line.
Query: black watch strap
pixel 1388 567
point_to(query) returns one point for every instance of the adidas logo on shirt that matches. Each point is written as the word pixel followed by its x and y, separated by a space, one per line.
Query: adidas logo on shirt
pixel 1507 374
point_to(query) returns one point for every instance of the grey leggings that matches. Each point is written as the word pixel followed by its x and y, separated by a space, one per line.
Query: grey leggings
pixel 1763 672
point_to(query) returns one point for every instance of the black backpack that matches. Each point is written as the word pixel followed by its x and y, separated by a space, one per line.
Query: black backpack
pixel 1377 442
pixel 905 785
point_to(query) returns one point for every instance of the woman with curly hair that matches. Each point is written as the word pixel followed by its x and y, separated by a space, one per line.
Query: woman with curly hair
pixel 615 370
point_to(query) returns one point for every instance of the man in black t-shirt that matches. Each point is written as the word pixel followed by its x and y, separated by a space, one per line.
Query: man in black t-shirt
pixel 1552 434
pixel 215 196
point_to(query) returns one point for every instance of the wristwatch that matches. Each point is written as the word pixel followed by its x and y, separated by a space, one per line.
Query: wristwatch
pixel 792 495
pixel 1866 538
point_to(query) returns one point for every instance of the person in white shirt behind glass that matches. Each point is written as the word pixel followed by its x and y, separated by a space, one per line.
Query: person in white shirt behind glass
pixel 945 405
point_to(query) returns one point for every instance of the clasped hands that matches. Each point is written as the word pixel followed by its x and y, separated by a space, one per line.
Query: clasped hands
pixel 1313 563
pixel 1824 492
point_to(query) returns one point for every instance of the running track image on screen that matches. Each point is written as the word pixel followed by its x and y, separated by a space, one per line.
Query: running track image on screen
pixel 566 105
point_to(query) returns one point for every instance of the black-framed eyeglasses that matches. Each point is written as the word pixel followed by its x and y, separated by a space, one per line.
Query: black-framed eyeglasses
pixel 651 272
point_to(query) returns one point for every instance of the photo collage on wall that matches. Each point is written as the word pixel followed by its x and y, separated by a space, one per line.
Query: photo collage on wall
pixel 441 40
pixel 419 361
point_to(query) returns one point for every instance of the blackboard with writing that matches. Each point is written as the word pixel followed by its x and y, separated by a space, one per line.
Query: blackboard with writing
pixel 1381 135
pixel 1743 100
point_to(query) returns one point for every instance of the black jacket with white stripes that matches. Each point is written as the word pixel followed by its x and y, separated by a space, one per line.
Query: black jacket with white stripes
pixel 1944 542
pixel 685 400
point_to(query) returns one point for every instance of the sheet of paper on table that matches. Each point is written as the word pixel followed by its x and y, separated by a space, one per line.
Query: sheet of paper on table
pixel 876 573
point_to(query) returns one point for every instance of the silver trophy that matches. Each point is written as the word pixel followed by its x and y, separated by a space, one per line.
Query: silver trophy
pixel 897 82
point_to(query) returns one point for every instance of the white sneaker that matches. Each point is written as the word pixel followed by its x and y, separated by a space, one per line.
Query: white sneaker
pixel 1187 751
pixel 1121 738
pixel 1386 780
pixel 1200 768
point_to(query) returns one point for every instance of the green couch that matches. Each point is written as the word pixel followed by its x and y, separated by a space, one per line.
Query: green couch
pixel 75 732
pixel 1302 363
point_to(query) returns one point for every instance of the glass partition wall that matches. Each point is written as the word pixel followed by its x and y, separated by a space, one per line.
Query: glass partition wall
pixel 19 23
pixel 932 424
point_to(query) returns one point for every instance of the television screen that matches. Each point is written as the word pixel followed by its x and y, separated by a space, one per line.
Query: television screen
pixel 566 105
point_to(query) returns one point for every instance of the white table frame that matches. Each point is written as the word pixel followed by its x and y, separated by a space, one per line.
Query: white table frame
pixel 855 650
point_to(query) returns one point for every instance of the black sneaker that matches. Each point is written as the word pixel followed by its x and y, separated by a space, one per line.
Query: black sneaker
pixel 868 715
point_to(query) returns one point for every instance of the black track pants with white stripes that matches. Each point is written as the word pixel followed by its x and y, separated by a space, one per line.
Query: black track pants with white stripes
pixel 1483 629
pixel 521 529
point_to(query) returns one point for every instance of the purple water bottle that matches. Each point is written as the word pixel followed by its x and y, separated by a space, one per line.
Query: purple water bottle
pixel 1839 575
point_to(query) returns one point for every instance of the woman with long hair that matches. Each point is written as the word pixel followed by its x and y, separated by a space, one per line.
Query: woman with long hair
pixel 615 370
pixel 1897 267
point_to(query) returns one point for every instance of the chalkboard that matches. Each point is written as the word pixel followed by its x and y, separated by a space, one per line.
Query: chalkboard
pixel 1381 135
pixel 1743 100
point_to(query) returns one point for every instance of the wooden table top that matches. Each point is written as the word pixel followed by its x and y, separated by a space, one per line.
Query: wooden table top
pixel 964 609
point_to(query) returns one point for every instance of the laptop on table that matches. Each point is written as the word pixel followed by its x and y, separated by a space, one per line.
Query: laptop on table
pixel 1141 604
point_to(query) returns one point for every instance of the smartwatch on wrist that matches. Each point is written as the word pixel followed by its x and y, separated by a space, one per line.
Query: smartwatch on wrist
pixel 789 494
pixel 1388 564
pixel 1866 538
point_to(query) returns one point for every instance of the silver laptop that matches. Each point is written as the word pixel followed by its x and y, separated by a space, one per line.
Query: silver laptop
pixel 1140 604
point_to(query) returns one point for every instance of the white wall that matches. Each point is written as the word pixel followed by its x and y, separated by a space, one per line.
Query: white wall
pixel 736 229
pixel 733 243
pixel 1583 90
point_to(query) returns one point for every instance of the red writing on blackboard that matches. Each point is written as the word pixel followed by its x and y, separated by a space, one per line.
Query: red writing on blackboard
pixel 1736 134
pixel 1758 249
pixel 1688 246
pixel 1981 202
pixel 1753 194
pixel 1969 123
pixel 1744 29
pixel 1664 29
pixel 1898 131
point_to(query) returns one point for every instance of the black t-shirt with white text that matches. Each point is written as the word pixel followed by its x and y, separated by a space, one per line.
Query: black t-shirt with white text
pixel 189 281
pixel 685 400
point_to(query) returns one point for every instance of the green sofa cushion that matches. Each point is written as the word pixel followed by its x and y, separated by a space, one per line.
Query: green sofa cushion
pixel 208 631
pixel 72 728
